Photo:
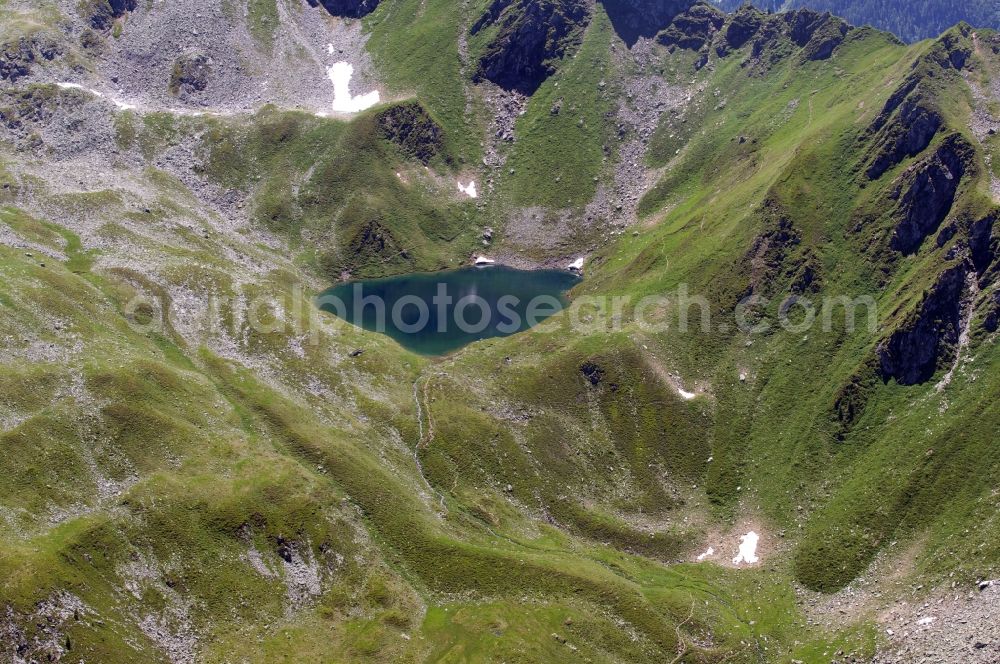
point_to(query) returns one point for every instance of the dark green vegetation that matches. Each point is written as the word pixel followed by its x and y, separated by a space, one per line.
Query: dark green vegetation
pixel 911 21
pixel 264 493
pixel 437 313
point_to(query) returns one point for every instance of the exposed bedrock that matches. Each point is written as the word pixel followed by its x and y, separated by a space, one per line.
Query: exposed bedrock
pixel 533 35
pixel 102 14
pixel 633 19
pixel 928 338
pixel 926 191
pixel 347 8
pixel 693 28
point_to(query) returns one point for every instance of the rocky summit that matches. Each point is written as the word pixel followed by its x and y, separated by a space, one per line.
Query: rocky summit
pixel 499 331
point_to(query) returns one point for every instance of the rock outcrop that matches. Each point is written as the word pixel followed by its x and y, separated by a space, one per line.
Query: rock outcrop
pixel 347 8
pixel 411 128
pixel 776 260
pixel 372 242
pixel 853 396
pixel 991 321
pixel 635 19
pixel 17 58
pixel 743 25
pixel 816 35
pixel 693 29
pixel 953 49
pixel 532 35
pixel 909 134
pixel 102 14
pixel 928 338
pixel 190 73
pixel 909 120
pixel 984 245
pixel 926 192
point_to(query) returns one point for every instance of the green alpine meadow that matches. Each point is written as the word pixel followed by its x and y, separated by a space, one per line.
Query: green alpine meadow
pixel 613 331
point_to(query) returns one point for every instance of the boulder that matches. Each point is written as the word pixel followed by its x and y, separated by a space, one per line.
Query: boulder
pixel 15 60
pixel 592 372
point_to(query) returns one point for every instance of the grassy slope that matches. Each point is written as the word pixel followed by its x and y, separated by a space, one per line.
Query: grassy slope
pixel 557 158
pixel 325 184
pixel 802 124
pixel 243 465
pixel 207 460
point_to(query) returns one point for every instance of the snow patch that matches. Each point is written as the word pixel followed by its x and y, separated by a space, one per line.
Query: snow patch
pixel 343 102
pixel 709 552
pixel 77 86
pixel 483 260
pixel 748 549
pixel 687 396
pixel 576 266
pixel 468 189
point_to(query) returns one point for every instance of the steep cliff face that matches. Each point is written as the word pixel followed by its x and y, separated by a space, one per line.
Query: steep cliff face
pixel 634 19
pixel 532 35
pixel 908 135
pixel 926 192
pixel 984 245
pixel 914 352
pixel 348 8
pixel 693 29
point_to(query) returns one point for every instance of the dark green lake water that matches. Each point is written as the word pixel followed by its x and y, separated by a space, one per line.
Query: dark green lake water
pixel 437 313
